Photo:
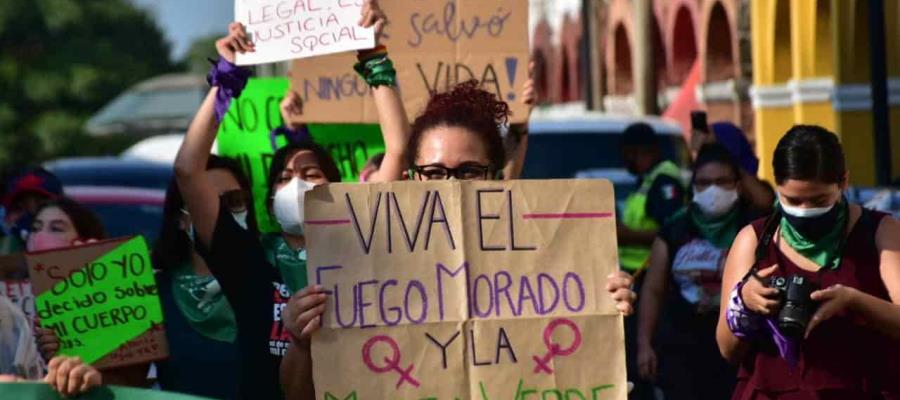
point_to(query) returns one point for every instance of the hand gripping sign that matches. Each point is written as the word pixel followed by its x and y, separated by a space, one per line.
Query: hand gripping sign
pixel 465 290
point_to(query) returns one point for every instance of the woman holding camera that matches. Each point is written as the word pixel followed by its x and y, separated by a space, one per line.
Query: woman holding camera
pixel 814 304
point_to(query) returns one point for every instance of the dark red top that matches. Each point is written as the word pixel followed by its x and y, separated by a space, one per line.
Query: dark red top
pixel 841 359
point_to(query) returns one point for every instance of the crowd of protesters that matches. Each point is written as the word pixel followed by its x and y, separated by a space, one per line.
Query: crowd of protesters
pixel 717 263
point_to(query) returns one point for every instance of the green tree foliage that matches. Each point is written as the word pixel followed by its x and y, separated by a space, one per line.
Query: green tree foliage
pixel 60 61
pixel 201 51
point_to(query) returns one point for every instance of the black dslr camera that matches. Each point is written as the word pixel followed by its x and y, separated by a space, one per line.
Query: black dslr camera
pixel 797 308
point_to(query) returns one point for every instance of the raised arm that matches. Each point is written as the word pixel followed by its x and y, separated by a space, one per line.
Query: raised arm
pixel 758 193
pixel 392 116
pixel 519 132
pixel 200 197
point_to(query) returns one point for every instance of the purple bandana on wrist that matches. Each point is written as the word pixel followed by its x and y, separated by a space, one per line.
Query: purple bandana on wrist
pixel 743 323
pixel 231 81
pixel 747 325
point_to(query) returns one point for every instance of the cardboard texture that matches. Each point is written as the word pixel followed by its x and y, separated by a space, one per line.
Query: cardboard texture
pixel 284 30
pixel 245 135
pixel 101 300
pixel 434 45
pixel 456 290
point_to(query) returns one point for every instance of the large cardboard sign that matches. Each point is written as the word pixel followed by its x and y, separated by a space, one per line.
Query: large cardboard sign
pixel 434 45
pixel 245 135
pixel 283 30
pixel 466 290
pixel 101 300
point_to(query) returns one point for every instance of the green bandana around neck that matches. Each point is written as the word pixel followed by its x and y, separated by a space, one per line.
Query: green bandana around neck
pixel 825 252
pixel 291 264
pixel 721 230
pixel 203 305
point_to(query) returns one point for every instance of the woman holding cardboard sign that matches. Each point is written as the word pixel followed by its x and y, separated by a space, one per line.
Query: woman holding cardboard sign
pixel 247 274
pixel 458 136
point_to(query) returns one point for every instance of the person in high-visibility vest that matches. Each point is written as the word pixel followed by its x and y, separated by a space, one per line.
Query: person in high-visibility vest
pixel 660 194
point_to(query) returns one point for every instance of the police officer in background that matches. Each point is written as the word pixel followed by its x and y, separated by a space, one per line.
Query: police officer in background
pixel 660 194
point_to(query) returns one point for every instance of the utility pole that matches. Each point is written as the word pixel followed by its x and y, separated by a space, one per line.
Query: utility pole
pixel 881 119
pixel 592 42
pixel 644 64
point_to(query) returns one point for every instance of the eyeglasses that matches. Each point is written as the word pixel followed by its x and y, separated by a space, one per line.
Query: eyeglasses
pixel 725 183
pixel 463 172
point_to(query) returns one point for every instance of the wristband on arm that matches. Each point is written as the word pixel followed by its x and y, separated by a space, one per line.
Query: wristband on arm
pixel 230 79
pixel 743 323
pixel 376 68
pixel 747 325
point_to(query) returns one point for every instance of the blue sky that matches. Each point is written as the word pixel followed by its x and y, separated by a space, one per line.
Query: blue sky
pixel 182 21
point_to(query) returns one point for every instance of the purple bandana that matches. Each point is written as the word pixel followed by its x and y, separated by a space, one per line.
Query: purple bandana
pixel 293 136
pixel 747 325
pixel 787 347
pixel 231 81
pixel 743 323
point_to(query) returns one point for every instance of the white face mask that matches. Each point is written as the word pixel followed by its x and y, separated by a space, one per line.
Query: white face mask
pixel 801 212
pixel 240 218
pixel 715 201
pixel 288 205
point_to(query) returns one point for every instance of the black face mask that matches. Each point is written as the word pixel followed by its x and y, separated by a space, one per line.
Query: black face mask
pixel 815 228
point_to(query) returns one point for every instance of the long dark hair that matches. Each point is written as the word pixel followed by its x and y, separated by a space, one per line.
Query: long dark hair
pixel 173 248
pixel 85 222
pixel 465 106
pixel 281 157
pixel 809 153
pixel 714 153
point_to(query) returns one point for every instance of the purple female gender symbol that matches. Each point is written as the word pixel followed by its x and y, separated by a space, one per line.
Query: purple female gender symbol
pixel 542 364
pixel 392 363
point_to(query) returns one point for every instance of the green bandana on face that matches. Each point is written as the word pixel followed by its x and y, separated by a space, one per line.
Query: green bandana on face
pixel 720 231
pixel 291 264
pixel 826 251
pixel 203 305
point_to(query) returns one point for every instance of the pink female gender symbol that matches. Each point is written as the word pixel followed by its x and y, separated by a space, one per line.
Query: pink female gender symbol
pixel 391 363
pixel 542 364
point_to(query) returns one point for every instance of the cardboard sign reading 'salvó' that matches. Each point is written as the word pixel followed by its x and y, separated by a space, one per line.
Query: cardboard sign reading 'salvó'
pixel 283 30
pixel 101 300
pixel 434 44
pixel 466 290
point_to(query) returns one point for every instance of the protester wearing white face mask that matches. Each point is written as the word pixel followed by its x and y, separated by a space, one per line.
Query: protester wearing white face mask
pixel 259 276
pixel 690 253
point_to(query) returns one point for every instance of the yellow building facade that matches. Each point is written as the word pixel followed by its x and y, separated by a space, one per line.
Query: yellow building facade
pixel 811 66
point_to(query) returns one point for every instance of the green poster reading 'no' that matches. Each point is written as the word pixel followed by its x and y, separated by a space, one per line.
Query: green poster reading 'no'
pixel 245 135
pixel 109 302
